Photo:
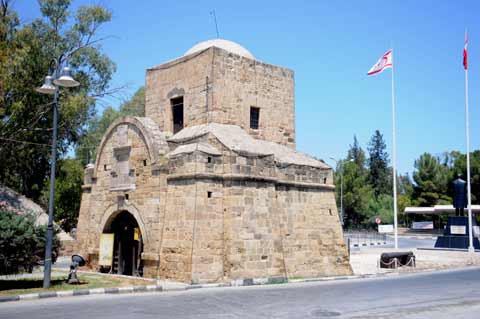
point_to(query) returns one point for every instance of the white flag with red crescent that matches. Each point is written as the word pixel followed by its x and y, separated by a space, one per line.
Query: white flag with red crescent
pixel 465 52
pixel 385 62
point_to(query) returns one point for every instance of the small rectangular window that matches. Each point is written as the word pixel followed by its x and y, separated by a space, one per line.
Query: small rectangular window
pixel 254 117
pixel 209 159
pixel 209 194
pixel 177 113
pixel 144 162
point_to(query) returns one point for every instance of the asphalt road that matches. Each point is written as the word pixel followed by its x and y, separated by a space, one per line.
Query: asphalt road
pixel 412 242
pixel 452 294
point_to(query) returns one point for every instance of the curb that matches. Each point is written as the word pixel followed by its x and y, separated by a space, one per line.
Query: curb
pixel 371 244
pixel 84 292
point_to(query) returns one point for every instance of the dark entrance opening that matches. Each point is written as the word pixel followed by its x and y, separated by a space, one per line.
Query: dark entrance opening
pixel 128 245
pixel 177 113
pixel 254 117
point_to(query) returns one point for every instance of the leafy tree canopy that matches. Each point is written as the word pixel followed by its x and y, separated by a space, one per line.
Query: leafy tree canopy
pixel 431 179
pixel 356 190
pixel 26 116
pixel 379 174
pixel 98 125
pixel 381 207
pixel 68 193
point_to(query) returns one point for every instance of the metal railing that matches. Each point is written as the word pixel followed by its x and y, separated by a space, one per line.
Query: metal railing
pixel 363 238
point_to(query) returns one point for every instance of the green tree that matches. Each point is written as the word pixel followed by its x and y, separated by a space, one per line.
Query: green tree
pixel 25 54
pixel 356 191
pixel 431 179
pixel 405 185
pixel 405 192
pixel 379 176
pixel 357 154
pixel 135 106
pixel 8 23
pixel 98 125
pixel 459 167
pixel 68 193
pixel 382 207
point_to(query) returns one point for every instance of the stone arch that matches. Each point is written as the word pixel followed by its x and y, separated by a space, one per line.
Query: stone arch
pixel 113 210
pixel 150 133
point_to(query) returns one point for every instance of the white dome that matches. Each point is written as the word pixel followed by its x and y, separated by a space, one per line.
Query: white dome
pixel 222 44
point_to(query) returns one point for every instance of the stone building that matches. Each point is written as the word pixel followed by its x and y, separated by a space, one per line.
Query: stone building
pixel 208 186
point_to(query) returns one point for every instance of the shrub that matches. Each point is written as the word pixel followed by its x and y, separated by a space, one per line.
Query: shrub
pixel 22 243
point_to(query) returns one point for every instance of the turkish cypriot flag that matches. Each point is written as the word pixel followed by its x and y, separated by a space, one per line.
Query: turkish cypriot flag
pixel 385 62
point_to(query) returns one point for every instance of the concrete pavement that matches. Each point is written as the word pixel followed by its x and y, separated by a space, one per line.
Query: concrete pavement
pixel 443 294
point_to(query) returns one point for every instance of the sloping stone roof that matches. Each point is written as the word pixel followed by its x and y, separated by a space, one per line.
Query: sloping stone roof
pixel 158 137
pixel 239 141
pixel 190 148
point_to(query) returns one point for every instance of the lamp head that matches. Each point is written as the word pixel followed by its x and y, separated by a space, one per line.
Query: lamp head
pixel 47 87
pixel 66 79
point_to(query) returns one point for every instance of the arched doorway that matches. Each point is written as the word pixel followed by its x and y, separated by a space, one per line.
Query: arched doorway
pixel 128 244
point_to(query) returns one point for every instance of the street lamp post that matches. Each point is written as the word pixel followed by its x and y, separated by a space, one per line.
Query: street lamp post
pixel 59 79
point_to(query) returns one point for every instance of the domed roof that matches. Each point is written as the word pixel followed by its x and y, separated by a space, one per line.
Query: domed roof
pixel 222 44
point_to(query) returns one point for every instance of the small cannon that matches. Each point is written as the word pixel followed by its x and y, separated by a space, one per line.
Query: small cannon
pixel 397 259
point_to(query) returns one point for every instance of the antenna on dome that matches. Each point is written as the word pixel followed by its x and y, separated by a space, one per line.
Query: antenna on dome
pixel 215 19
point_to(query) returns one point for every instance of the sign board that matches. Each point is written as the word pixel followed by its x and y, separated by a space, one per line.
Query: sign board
pixel 385 229
pixel 458 230
pixel 422 225
pixel 136 234
pixel 378 220
pixel 106 250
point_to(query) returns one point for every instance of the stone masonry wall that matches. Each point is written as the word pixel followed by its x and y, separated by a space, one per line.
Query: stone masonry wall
pixel 251 229
pixel 208 233
pixel 240 83
pixel 312 236
pixel 187 77
pixel 218 219
pixel 305 174
pixel 100 203
pixel 177 233
pixel 219 86
pixel 252 234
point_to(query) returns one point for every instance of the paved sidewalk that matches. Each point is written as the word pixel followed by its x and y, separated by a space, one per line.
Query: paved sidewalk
pixel 365 261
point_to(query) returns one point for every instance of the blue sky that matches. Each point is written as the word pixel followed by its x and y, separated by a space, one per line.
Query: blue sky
pixel 330 45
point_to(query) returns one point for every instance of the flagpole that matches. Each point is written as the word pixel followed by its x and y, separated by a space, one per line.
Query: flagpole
pixel 471 249
pixel 394 153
